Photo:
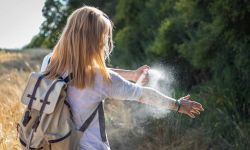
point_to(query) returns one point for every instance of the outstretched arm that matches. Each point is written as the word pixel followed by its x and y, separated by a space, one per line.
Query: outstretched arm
pixel 153 97
pixel 124 90
pixel 132 75
pixel 127 74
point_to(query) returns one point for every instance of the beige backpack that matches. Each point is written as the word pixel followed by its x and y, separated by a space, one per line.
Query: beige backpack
pixel 47 121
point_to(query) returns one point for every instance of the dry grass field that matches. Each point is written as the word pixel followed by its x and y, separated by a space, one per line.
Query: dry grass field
pixel 14 70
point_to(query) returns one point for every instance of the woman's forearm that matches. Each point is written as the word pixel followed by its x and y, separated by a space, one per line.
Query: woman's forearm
pixel 153 97
pixel 149 95
pixel 127 74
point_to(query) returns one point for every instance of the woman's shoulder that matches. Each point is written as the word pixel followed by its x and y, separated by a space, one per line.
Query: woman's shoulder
pixel 48 55
pixel 113 76
pixel 110 71
pixel 46 61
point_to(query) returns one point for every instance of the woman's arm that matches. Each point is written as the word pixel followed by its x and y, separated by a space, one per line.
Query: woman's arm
pixel 153 97
pixel 127 74
pixel 132 75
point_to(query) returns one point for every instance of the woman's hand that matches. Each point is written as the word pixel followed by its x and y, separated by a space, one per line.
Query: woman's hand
pixel 139 71
pixel 189 107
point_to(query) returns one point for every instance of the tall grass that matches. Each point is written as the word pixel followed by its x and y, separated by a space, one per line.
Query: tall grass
pixel 14 70
pixel 10 108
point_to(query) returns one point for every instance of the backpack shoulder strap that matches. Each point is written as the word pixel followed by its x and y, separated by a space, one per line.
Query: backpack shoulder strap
pixel 89 120
pixel 101 121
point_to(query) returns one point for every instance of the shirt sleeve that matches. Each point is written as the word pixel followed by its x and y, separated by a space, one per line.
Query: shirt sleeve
pixel 122 89
pixel 45 62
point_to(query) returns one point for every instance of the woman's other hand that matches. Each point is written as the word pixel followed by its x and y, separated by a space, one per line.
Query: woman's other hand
pixel 190 107
pixel 138 72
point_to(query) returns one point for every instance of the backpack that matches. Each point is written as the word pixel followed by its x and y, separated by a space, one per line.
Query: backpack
pixel 47 122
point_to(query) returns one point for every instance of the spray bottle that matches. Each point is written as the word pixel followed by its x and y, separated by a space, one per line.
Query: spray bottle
pixel 143 75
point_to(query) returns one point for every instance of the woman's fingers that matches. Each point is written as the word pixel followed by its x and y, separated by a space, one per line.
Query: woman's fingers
pixel 146 67
pixel 189 107
pixel 197 106
pixel 200 107
pixel 191 115
pixel 145 80
pixel 142 68
pixel 139 72
pixel 186 97
pixel 195 111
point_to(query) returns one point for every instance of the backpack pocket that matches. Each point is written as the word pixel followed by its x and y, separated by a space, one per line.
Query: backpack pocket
pixel 23 135
pixel 23 146
pixel 70 141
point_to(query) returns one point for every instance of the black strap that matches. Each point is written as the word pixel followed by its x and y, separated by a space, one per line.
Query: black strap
pixel 27 115
pixel 45 102
pixel 60 139
pixel 89 120
pixel 101 121
pixel 48 61
pixel 68 78
pixel 32 97
pixel 47 95
pixel 24 144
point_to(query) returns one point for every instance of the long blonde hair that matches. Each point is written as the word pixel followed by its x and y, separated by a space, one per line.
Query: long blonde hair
pixel 82 48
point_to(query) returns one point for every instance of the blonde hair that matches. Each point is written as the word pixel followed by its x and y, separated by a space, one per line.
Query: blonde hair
pixel 82 48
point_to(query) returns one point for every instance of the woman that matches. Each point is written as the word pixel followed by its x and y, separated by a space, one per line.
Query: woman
pixel 82 49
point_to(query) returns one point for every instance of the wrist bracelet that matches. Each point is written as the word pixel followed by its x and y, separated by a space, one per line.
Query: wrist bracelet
pixel 178 103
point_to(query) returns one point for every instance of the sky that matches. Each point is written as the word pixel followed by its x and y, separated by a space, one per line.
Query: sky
pixel 19 22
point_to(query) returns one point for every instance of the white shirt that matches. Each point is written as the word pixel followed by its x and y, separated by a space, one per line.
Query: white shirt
pixel 84 101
